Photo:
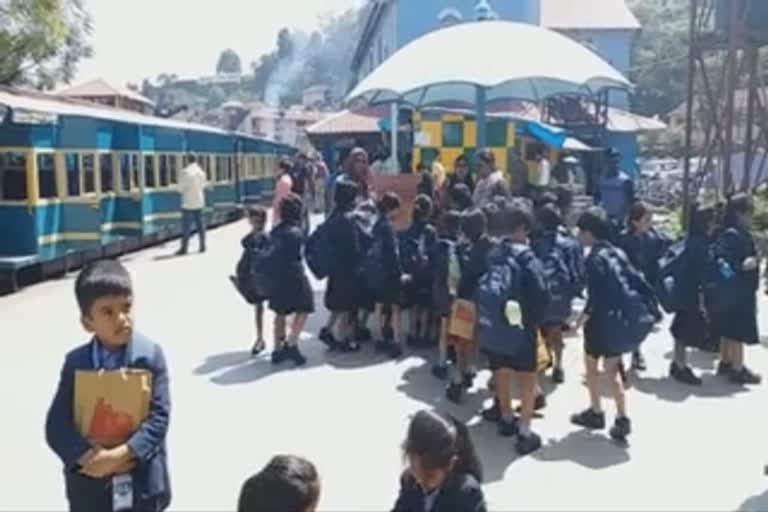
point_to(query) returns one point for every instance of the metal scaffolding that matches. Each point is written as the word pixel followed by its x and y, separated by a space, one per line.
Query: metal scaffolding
pixel 727 108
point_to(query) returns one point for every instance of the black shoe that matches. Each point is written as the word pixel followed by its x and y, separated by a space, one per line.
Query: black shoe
pixel 181 252
pixel 493 413
pixel 621 428
pixel 589 419
pixel 279 355
pixel 508 428
pixel 468 380
pixel 395 351
pixel 452 354
pixel 526 445
pixel 412 341
pixel 202 250
pixel 292 354
pixel 258 347
pixel 440 371
pixel 558 376
pixel 638 362
pixel 388 333
pixel 454 392
pixel 349 346
pixel 381 346
pixel 684 375
pixel 745 377
pixel 326 336
pixel 724 369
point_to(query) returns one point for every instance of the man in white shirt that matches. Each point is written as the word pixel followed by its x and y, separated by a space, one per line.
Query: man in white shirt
pixel 192 182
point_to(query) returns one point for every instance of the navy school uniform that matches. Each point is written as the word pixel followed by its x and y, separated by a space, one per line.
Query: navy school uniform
pixel 738 323
pixel 459 493
pixel 690 326
pixel 604 298
pixel 343 294
pixel 644 251
pixel 440 262
pixel 566 282
pixel 473 259
pixel 418 292
pixel 248 274
pixel 292 292
pixel 391 266
pixel 151 483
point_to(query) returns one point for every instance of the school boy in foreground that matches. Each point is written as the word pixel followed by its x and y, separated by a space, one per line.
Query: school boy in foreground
pixel 287 484
pixel 105 296
pixel 511 300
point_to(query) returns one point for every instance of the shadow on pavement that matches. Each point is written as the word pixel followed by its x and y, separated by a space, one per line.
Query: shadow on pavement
pixel 757 503
pixel 673 391
pixel 593 451
pixel 698 359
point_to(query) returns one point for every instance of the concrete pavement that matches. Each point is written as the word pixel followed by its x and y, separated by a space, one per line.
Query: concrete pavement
pixel 692 449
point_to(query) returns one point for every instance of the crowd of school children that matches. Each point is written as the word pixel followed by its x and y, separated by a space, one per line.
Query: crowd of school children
pixel 490 283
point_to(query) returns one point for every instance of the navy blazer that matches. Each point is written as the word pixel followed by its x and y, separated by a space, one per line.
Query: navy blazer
pixel 460 493
pixel 150 477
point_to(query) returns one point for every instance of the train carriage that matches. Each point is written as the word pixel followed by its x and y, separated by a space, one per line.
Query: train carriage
pixel 80 181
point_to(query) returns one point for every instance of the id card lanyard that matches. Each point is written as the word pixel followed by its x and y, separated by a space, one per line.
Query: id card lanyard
pixel 122 485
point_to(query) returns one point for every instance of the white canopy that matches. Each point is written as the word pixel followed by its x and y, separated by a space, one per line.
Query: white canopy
pixel 509 60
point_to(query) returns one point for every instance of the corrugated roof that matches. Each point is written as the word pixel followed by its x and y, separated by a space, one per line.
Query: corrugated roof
pixel 101 87
pixel 587 15
pixel 345 122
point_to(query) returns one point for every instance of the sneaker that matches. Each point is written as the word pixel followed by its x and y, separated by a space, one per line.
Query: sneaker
pixel 292 354
pixel 638 362
pixel 526 445
pixel 684 375
pixel 395 351
pixel 493 413
pixel 508 428
pixel 440 371
pixel 745 376
pixel 621 428
pixel 258 347
pixel 558 376
pixel 326 336
pixel 589 419
pixel 724 369
pixel 279 355
pixel 454 392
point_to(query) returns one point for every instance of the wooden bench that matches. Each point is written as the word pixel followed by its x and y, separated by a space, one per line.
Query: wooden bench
pixel 11 265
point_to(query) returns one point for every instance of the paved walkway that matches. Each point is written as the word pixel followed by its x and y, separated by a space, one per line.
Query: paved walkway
pixel 693 449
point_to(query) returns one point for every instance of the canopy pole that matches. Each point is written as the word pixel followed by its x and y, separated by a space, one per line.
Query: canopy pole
pixel 481 105
pixel 394 129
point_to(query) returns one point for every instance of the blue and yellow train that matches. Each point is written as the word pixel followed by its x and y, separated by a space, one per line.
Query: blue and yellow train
pixel 79 181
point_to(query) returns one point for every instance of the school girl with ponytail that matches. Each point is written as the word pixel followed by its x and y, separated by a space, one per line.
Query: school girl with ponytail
pixel 444 472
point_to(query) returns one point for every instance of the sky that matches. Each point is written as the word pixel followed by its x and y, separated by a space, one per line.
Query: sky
pixel 137 39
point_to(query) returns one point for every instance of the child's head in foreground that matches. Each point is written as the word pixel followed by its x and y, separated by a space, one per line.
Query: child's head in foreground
pixel 257 216
pixel 594 226
pixel 104 294
pixel 287 484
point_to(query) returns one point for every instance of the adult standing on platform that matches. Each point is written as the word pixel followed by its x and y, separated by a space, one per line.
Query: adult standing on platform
pixel 283 188
pixel 192 182
pixel 616 192
pixel 492 182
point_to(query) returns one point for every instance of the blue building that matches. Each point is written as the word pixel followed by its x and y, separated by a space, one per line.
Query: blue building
pixel 608 27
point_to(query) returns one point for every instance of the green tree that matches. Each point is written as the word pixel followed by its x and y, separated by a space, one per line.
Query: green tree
pixel 229 62
pixel 41 41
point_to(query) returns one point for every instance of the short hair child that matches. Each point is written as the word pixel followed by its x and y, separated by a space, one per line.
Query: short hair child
pixel 474 224
pixel 287 484
pixel 389 202
pixel 440 455
pixel 104 295
pixel 257 214
pixel 422 208
pixel 460 196
pixel 291 209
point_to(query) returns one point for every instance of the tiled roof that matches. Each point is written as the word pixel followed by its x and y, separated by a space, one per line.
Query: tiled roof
pixel 100 87
pixel 587 15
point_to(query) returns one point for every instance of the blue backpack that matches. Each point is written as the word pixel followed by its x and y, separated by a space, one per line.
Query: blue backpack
pixel 372 268
pixel 414 254
pixel 721 287
pixel 318 252
pixel 557 273
pixel 501 284
pixel 634 313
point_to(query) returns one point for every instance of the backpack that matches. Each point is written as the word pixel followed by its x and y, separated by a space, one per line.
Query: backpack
pixel 318 252
pixel 372 269
pixel 498 288
pixel 721 286
pixel 634 313
pixel 414 254
pixel 252 273
pixel 557 273
pixel 671 288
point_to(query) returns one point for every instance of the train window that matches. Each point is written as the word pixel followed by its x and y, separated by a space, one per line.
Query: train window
pixel 220 168
pixel 135 171
pixel 164 172
pixel 13 176
pixel 173 169
pixel 107 173
pixel 149 171
pixel 74 176
pixel 89 173
pixel 126 174
pixel 46 172
pixel 205 162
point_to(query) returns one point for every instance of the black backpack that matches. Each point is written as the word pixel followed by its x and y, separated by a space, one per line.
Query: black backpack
pixel 318 252
pixel 414 254
pixel 557 273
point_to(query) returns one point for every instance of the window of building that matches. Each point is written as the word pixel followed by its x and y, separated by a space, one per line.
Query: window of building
pixel 13 176
pixel 497 134
pixel 149 171
pixel 453 134
pixel 46 172
pixel 107 173
pixel 89 173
